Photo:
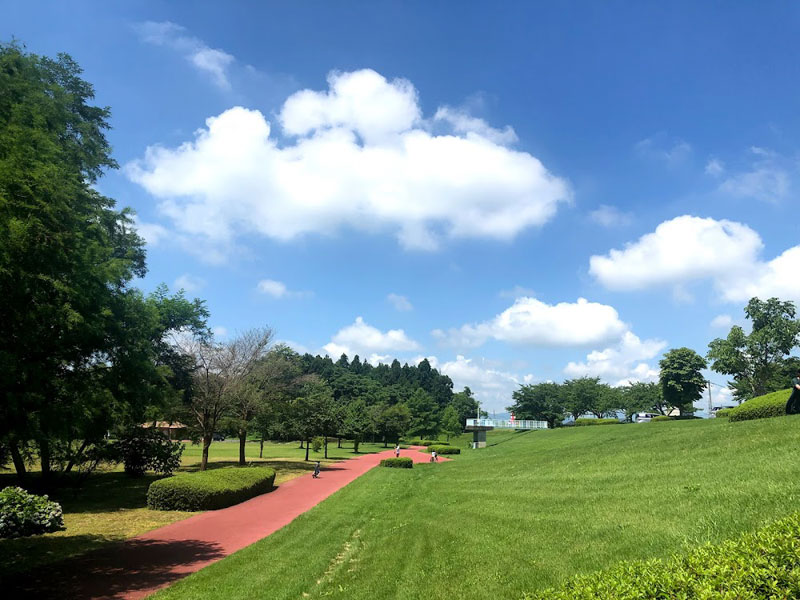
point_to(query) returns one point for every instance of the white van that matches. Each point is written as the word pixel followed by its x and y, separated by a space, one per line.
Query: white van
pixel 644 417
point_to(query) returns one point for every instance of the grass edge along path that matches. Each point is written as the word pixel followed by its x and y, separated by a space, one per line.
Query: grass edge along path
pixel 141 565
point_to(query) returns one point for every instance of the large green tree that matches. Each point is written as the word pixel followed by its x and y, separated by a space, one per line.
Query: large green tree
pixel 75 339
pixel 758 361
pixel 425 414
pixel 681 381
pixel 540 402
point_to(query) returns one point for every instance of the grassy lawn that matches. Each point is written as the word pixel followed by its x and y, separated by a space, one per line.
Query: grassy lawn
pixel 523 514
pixel 109 506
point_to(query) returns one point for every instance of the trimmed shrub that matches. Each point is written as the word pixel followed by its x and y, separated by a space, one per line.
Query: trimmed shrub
pixel 586 422
pixel 660 419
pixel 147 449
pixel 402 462
pixel 443 449
pixel 724 413
pixel 769 405
pixel 756 565
pixel 23 514
pixel 427 443
pixel 209 490
pixel 317 443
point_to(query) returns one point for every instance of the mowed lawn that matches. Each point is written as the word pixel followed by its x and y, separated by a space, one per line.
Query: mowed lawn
pixel 110 506
pixel 524 514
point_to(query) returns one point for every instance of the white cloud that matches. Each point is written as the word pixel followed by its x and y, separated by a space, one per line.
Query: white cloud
pixel 722 321
pixel 278 289
pixel 532 322
pixel 462 122
pixel 493 387
pixel 688 248
pixel 517 291
pixel 660 147
pixel 610 216
pixel 190 283
pixel 682 249
pixel 219 331
pixel 715 167
pixel 399 302
pixel 366 340
pixel 211 61
pixel 620 363
pixel 361 159
pixel 768 178
pixel 152 233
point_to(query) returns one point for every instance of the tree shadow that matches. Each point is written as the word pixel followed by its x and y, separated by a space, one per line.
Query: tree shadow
pixel 132 566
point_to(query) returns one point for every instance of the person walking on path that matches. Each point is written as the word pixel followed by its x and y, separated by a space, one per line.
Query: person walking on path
pixel 433 456
pixel 316 471
pixel 397 451
pixel 793 405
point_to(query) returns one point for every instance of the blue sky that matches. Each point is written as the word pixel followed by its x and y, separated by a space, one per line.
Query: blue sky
pixel 523 193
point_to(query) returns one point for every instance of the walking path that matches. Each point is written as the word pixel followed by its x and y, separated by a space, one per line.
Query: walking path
pixel 141 565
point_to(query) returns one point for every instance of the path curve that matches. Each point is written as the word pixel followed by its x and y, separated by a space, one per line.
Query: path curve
pixel 142 565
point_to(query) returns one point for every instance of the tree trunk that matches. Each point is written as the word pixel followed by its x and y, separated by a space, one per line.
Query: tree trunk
pixel 75 458
pixel 261 450
pixel 326 446
pixel 242 442
pixel 340 442
pixel 44 455
pixel 301 445
pixel 206 443
pixel 355 445
pixel 307 445
pixel 385 445
pixel 19 463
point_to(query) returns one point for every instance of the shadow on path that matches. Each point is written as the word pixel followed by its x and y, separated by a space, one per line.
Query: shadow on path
pixel 98 574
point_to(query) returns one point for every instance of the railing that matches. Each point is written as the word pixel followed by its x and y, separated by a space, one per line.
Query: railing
pixel 497 424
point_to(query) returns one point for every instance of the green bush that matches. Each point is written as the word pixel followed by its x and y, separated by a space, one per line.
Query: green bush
pixel 582 422
pixel 143 449
pixel 769 405
pixel 23 514
pixel 724 413
pixel 443 449
pixel 398 463
pixel 427 443
pixel 764 564
pixel 209 490
pixel 660 418
pixel 317 443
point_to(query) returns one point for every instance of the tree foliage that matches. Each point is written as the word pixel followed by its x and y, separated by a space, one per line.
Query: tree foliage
pixel 681 381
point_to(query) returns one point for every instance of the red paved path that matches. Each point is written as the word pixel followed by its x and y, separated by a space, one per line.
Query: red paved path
pixel 141 565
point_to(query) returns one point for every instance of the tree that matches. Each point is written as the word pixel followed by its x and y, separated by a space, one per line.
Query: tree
pixel 465 405
pixel 640 396
pixel 424 414
pixel 756 360
pixel 451 425
pixel 311 413
pixel 539 402
pixel 250 349
pixel 681 381
pixel 356 423
pixel 583 396
pixel 79 348
pixel 390 422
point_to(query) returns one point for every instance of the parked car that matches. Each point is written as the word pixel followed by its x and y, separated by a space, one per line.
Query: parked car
pixel 218 437
pixel 644 417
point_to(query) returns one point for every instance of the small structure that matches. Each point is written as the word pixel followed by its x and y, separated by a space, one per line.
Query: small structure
pixel 174 430
pixel 479 427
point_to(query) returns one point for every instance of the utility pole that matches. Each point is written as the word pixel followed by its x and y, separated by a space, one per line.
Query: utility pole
pixel 710 405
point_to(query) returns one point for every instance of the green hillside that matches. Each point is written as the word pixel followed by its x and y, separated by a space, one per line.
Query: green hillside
pixel 524 514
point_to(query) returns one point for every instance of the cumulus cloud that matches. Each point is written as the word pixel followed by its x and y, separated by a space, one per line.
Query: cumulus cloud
pixel 358 156
pixel 190 283
pixel 366 340
pixel 532 322
pixel 493 387
pixel 399 302
pixel 621 363
pixel 152 233
pixel 462 122
pixel 715 167
pixel 722 321
pixel 278 289
pixel 610 216
pixel 768 178
pixel 210 61
pixel 689 248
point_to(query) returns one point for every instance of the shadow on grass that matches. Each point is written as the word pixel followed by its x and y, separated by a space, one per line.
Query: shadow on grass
pixel 117 570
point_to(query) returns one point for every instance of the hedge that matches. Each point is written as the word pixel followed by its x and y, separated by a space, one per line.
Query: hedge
pixel 443 449
pixel 769 405
pixel 583 422
pixel 398 463
pixel 763 564
pixel 23 514
pixel 209 490
pixel 661 418
pixel 724 413
pixel 427 443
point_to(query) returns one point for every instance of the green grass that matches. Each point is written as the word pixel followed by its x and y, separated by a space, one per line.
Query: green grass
pixel 524 514
pixel 110 506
